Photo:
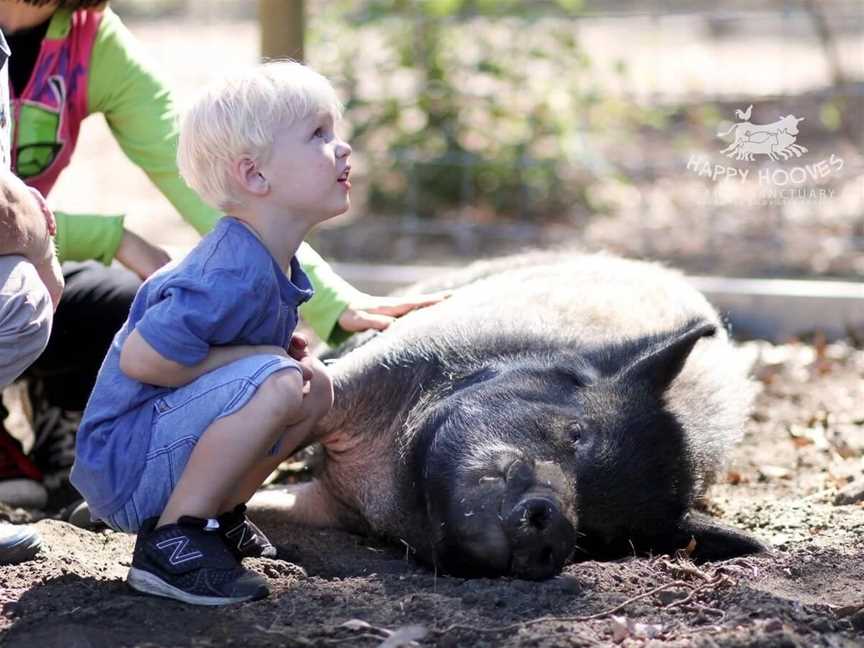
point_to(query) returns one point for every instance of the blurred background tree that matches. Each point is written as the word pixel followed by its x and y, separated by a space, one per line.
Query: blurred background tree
pixel 475 109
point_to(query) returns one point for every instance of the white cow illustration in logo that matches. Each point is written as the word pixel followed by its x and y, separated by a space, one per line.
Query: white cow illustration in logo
pixel 775 140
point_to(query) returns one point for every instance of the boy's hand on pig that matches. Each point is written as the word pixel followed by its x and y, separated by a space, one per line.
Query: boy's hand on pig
pixel 379 312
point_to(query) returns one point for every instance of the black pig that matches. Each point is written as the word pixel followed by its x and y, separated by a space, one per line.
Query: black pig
pixel 553 407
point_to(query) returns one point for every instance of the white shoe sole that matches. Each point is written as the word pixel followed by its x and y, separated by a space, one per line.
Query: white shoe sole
pixel 148 583
pixel 23 547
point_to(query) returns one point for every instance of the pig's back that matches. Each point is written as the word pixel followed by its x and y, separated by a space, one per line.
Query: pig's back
pixel 585 299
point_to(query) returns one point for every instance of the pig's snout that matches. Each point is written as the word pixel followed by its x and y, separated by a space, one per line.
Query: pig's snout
pixel 541 538
pixel 509 516
pixel 540 535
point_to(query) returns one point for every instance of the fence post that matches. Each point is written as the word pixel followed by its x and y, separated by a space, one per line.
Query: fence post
pixel 282 23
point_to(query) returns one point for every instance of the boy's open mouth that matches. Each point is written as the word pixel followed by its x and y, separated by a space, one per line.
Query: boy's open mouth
pixel 344 176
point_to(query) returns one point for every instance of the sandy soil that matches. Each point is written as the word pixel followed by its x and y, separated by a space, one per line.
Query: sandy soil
pixel 803 446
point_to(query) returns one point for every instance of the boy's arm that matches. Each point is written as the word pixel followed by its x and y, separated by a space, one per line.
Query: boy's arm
pixel 141 362
pixel 194 322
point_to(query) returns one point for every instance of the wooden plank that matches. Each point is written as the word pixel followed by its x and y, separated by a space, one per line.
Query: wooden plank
pixel 282 25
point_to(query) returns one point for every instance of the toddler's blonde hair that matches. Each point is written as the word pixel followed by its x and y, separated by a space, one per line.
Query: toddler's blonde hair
pixel 239 115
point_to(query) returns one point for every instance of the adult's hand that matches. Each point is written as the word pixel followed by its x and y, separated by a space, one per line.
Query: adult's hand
pixel 379 312
pixel 48 267
pixel 141 257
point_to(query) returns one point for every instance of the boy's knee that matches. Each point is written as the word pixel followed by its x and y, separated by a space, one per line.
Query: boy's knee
pixel 283 392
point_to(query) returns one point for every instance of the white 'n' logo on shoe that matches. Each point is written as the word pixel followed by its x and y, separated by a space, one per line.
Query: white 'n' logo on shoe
pixel 179 545
pixel 239 534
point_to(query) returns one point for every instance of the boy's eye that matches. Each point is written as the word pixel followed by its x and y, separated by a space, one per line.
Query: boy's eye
pixel 319 132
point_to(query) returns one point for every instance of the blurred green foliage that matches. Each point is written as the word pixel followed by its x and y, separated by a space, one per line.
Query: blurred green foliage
pixel 475 107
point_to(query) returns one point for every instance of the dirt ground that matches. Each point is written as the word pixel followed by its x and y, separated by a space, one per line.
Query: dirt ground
pixel 803 447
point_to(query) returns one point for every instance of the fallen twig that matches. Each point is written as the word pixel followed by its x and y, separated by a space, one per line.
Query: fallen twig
pixel 706 608
pixel 685 568
pixel 720 579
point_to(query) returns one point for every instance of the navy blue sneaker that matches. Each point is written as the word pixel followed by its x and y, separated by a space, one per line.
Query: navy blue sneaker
pixel 189 562
pixel 18 543
pixel 242 537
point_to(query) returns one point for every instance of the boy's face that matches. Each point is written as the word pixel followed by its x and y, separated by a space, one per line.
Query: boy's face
pixel 308 169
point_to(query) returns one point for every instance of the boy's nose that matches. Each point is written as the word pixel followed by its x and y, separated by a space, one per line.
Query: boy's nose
pixel 343 149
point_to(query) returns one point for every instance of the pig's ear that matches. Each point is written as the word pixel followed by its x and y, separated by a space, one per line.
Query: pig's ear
pixel 711 540
pixel 659 367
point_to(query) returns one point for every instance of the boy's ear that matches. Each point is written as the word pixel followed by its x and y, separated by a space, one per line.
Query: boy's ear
pixel 249 176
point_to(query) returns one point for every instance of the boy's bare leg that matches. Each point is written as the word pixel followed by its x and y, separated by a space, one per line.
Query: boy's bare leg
pixel 316 403
pixel 230 448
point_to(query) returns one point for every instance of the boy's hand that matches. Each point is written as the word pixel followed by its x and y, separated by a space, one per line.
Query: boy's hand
pixel 140 256
pixel 306 366
pixel 299 347
pixel 299 350
pixel 379 312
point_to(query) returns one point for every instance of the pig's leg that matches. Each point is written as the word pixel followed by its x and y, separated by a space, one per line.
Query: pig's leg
pixel 312 504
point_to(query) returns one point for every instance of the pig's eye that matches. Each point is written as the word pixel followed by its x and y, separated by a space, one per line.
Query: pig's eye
pixel 577 432
pixel 572 377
